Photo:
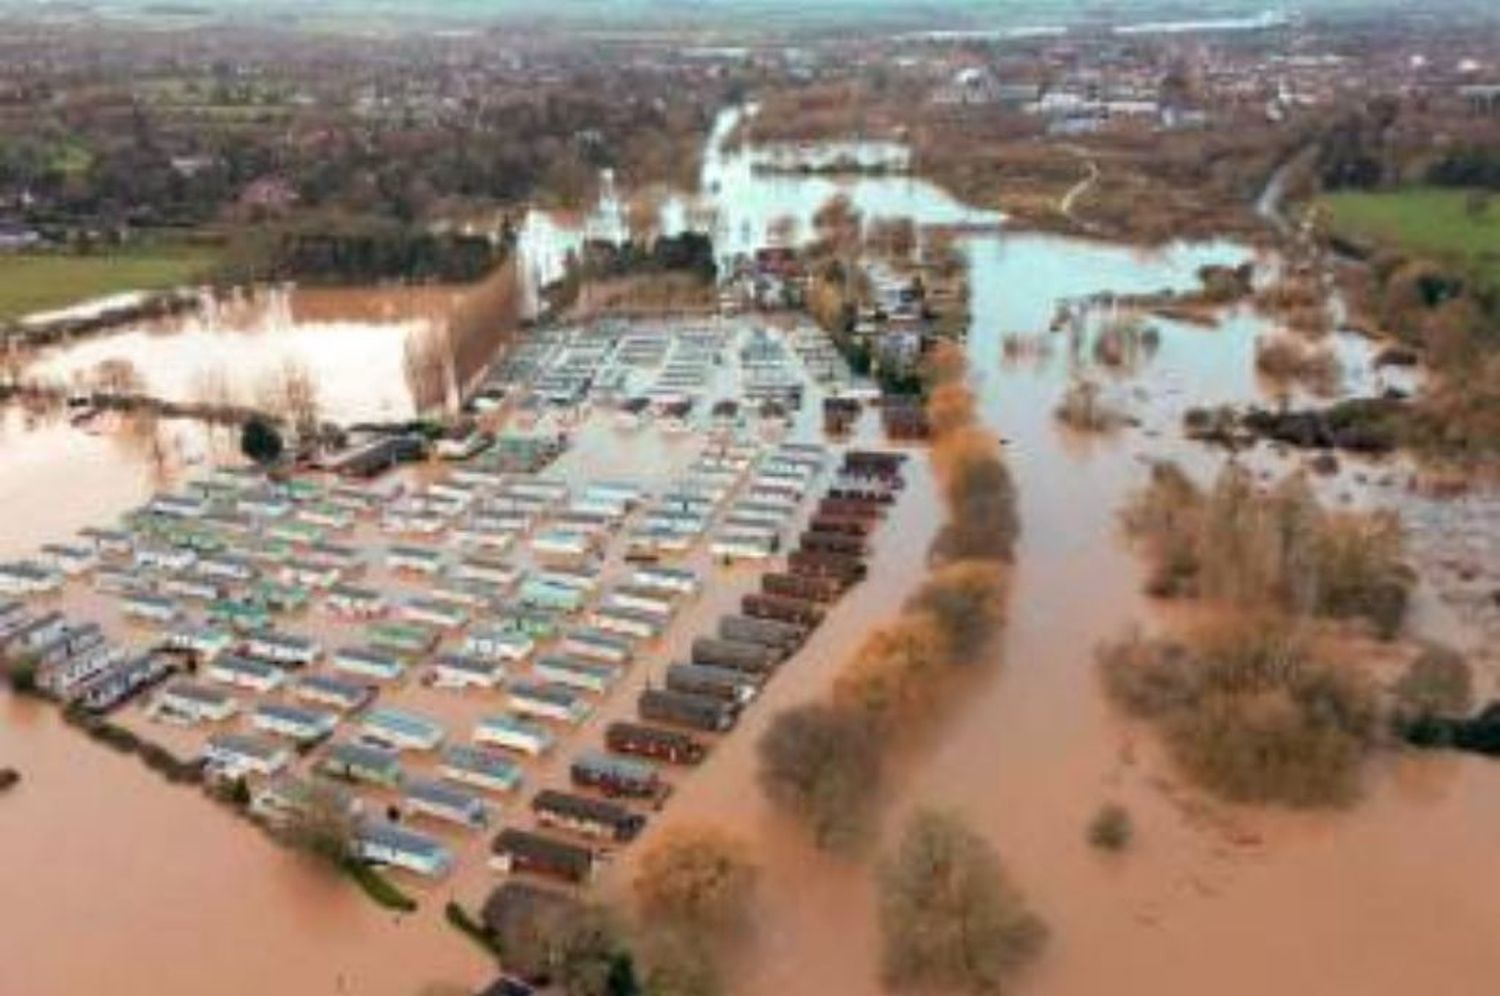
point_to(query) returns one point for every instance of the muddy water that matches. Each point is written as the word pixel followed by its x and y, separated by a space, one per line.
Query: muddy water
pixel 352 342
pixel 1388 897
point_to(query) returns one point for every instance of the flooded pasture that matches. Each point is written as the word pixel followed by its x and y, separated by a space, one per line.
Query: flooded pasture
pixel 234 350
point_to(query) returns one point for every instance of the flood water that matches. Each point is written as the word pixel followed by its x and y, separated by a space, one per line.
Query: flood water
pixel 158 891
pixel 352 342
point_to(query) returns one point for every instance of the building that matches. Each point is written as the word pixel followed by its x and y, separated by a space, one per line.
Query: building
pixel 234 755
pixel 298 723
pixel 362 763
pixel 402 730
pixel 384 843
pixel 189 702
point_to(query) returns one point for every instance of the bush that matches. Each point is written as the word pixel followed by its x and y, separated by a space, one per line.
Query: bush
pixel 1247 713
pixel 1083 410
pixel 821 765
pixel 1111 829
pixel 459 919
pixel 20 675
pixel 949 918
pixel 377 886
pixel 260 441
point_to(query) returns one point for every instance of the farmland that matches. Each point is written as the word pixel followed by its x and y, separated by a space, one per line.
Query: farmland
pixel 1423 220
pixel 42 281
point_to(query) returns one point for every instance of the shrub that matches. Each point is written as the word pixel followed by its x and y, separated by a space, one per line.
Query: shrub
pixel 1247 713
pixel 1083 410
pixel 1111 828
pixel 459 919
pixel 949 917
pixel 1284 359
pixel 260 441
pixel 378 887
pixel 821 765
pixel 21 676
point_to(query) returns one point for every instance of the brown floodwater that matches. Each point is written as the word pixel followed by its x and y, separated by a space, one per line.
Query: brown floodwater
pixel 1389 896
pixel 351 340
pixel 138 886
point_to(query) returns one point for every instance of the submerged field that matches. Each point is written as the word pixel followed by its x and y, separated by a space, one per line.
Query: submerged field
pixel 31 282
pixel 1426 220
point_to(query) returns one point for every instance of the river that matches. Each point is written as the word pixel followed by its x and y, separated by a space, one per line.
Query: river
pixel 136 886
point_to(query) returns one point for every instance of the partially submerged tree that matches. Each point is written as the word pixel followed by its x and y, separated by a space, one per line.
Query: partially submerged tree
pixel 322 822
pixel 949 917
pixel 821 765
pixel 260 441
pixel 696 877
pixel 1248 712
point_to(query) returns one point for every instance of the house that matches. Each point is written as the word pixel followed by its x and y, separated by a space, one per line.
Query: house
pixel 286 796
pixel 653 742
pixel 618 776
pixel 237 754
pixel 368 662
pixel 327 690
pixel 203 641
pixel 301 724
pixel 21 578
pixel 362 763
pixel 698 712
pixel 246 672
pixel 587 816
pixel 597 644
pixel 515 850
pixel 382 843
pixel 401 729
pixel 118 682
pixel 70 559
pixel 627 622
pixel 433 613
pixel 404 637
pixel 498 645
pixel 418 559
pixel 286 649
pixel 63 678
pixel 351 601
pixel 445 802
pixel 548 701
pixel 514 733
pixel 477 766
pixel 187 701
pixel 574 672
pixel 466 671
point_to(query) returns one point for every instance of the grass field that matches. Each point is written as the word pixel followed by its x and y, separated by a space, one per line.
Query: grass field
pixel 1425 221
pixel 38 282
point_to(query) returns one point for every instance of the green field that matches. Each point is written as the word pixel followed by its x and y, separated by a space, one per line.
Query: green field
pixel 1424 221
pixel 40 281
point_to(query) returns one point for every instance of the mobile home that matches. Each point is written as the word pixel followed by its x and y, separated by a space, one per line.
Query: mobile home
pixel 514 733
